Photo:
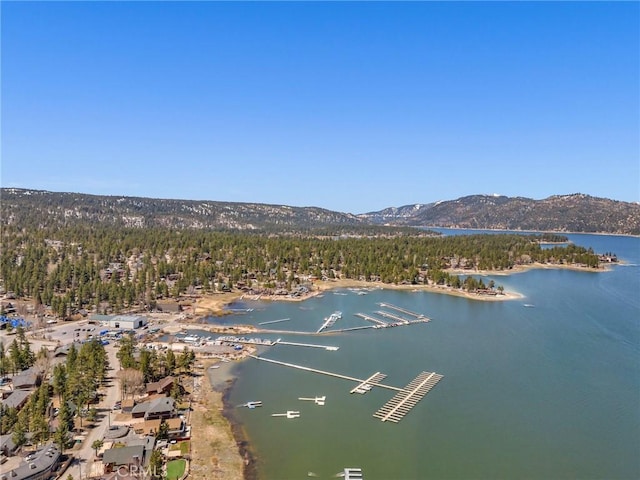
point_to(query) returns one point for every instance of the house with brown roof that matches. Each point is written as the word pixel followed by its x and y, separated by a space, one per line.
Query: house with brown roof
pixel 164 407
pixel 163 386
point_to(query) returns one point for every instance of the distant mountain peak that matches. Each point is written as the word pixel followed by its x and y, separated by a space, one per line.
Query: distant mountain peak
pixel 576 212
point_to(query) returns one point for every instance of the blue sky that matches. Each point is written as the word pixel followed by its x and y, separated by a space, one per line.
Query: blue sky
pixel 348 106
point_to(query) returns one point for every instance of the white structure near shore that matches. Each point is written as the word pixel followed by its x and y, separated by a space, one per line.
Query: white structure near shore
pixel 123 322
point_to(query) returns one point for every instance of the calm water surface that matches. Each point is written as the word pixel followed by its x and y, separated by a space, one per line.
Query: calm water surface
pixel 544 392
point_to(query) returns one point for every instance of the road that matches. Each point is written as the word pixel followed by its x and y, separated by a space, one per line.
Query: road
pixel 85 456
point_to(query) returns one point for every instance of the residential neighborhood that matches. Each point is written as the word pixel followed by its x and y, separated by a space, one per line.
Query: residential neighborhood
pixel 93 401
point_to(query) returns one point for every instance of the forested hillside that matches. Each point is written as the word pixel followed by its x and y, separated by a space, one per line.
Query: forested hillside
pixel 111 269
pixel 38 208
pixel 559 213
pixel 563 213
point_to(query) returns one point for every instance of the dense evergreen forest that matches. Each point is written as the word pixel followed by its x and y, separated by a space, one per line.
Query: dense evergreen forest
pixel 75 383
pixel 111 269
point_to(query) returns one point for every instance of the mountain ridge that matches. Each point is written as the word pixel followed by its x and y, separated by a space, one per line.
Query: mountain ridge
pixel 575 212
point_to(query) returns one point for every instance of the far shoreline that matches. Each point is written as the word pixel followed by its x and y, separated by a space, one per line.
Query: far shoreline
pixel 216 304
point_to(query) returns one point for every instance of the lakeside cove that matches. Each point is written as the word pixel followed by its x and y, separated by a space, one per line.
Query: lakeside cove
pixel 217 304
pixel 222 329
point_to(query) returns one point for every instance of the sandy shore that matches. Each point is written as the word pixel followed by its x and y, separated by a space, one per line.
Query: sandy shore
pixel 215 450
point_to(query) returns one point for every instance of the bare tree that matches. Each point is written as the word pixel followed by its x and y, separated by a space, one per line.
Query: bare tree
pixel 131 381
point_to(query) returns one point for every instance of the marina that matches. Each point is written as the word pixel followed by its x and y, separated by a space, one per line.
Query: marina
pixel 396 408
pixel 479 415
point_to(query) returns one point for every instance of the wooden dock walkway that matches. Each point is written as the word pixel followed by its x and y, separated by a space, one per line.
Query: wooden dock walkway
pixel 311 345
pixel 393 317
pixel 369 318
pixel 339 330
pixel 402 310
pixel 396 408
pixel 331 374
pixel 274 321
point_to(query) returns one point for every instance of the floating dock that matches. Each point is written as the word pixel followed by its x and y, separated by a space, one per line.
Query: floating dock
pixel 352 474
pixel 369 318
pixel 322 372
pixel 394 317
pixel 317 400
pixel 350 329
pixel 396 408
pixel 274 321
pixel 402 310
pixel 310 345
pixel 290 414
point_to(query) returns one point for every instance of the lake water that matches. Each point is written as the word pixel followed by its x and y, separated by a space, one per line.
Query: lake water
pixel 550 391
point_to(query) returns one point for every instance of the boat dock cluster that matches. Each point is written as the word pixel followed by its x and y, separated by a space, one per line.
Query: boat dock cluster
pixel 395 409
pixel 391 319
pixel 229 339
pixel 330 320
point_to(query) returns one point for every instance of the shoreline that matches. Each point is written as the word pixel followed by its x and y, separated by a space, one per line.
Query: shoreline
pixel 249 470
pixel 215 304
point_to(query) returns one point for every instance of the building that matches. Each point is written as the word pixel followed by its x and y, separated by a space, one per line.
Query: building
pixel 148 427
pixel 122 322
pixel 7 447
pixel 164 407
pixel 176 427
pixel 26 380
pixel 124 458
pixel 163 385
pixel 37 466
pixel 16 399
